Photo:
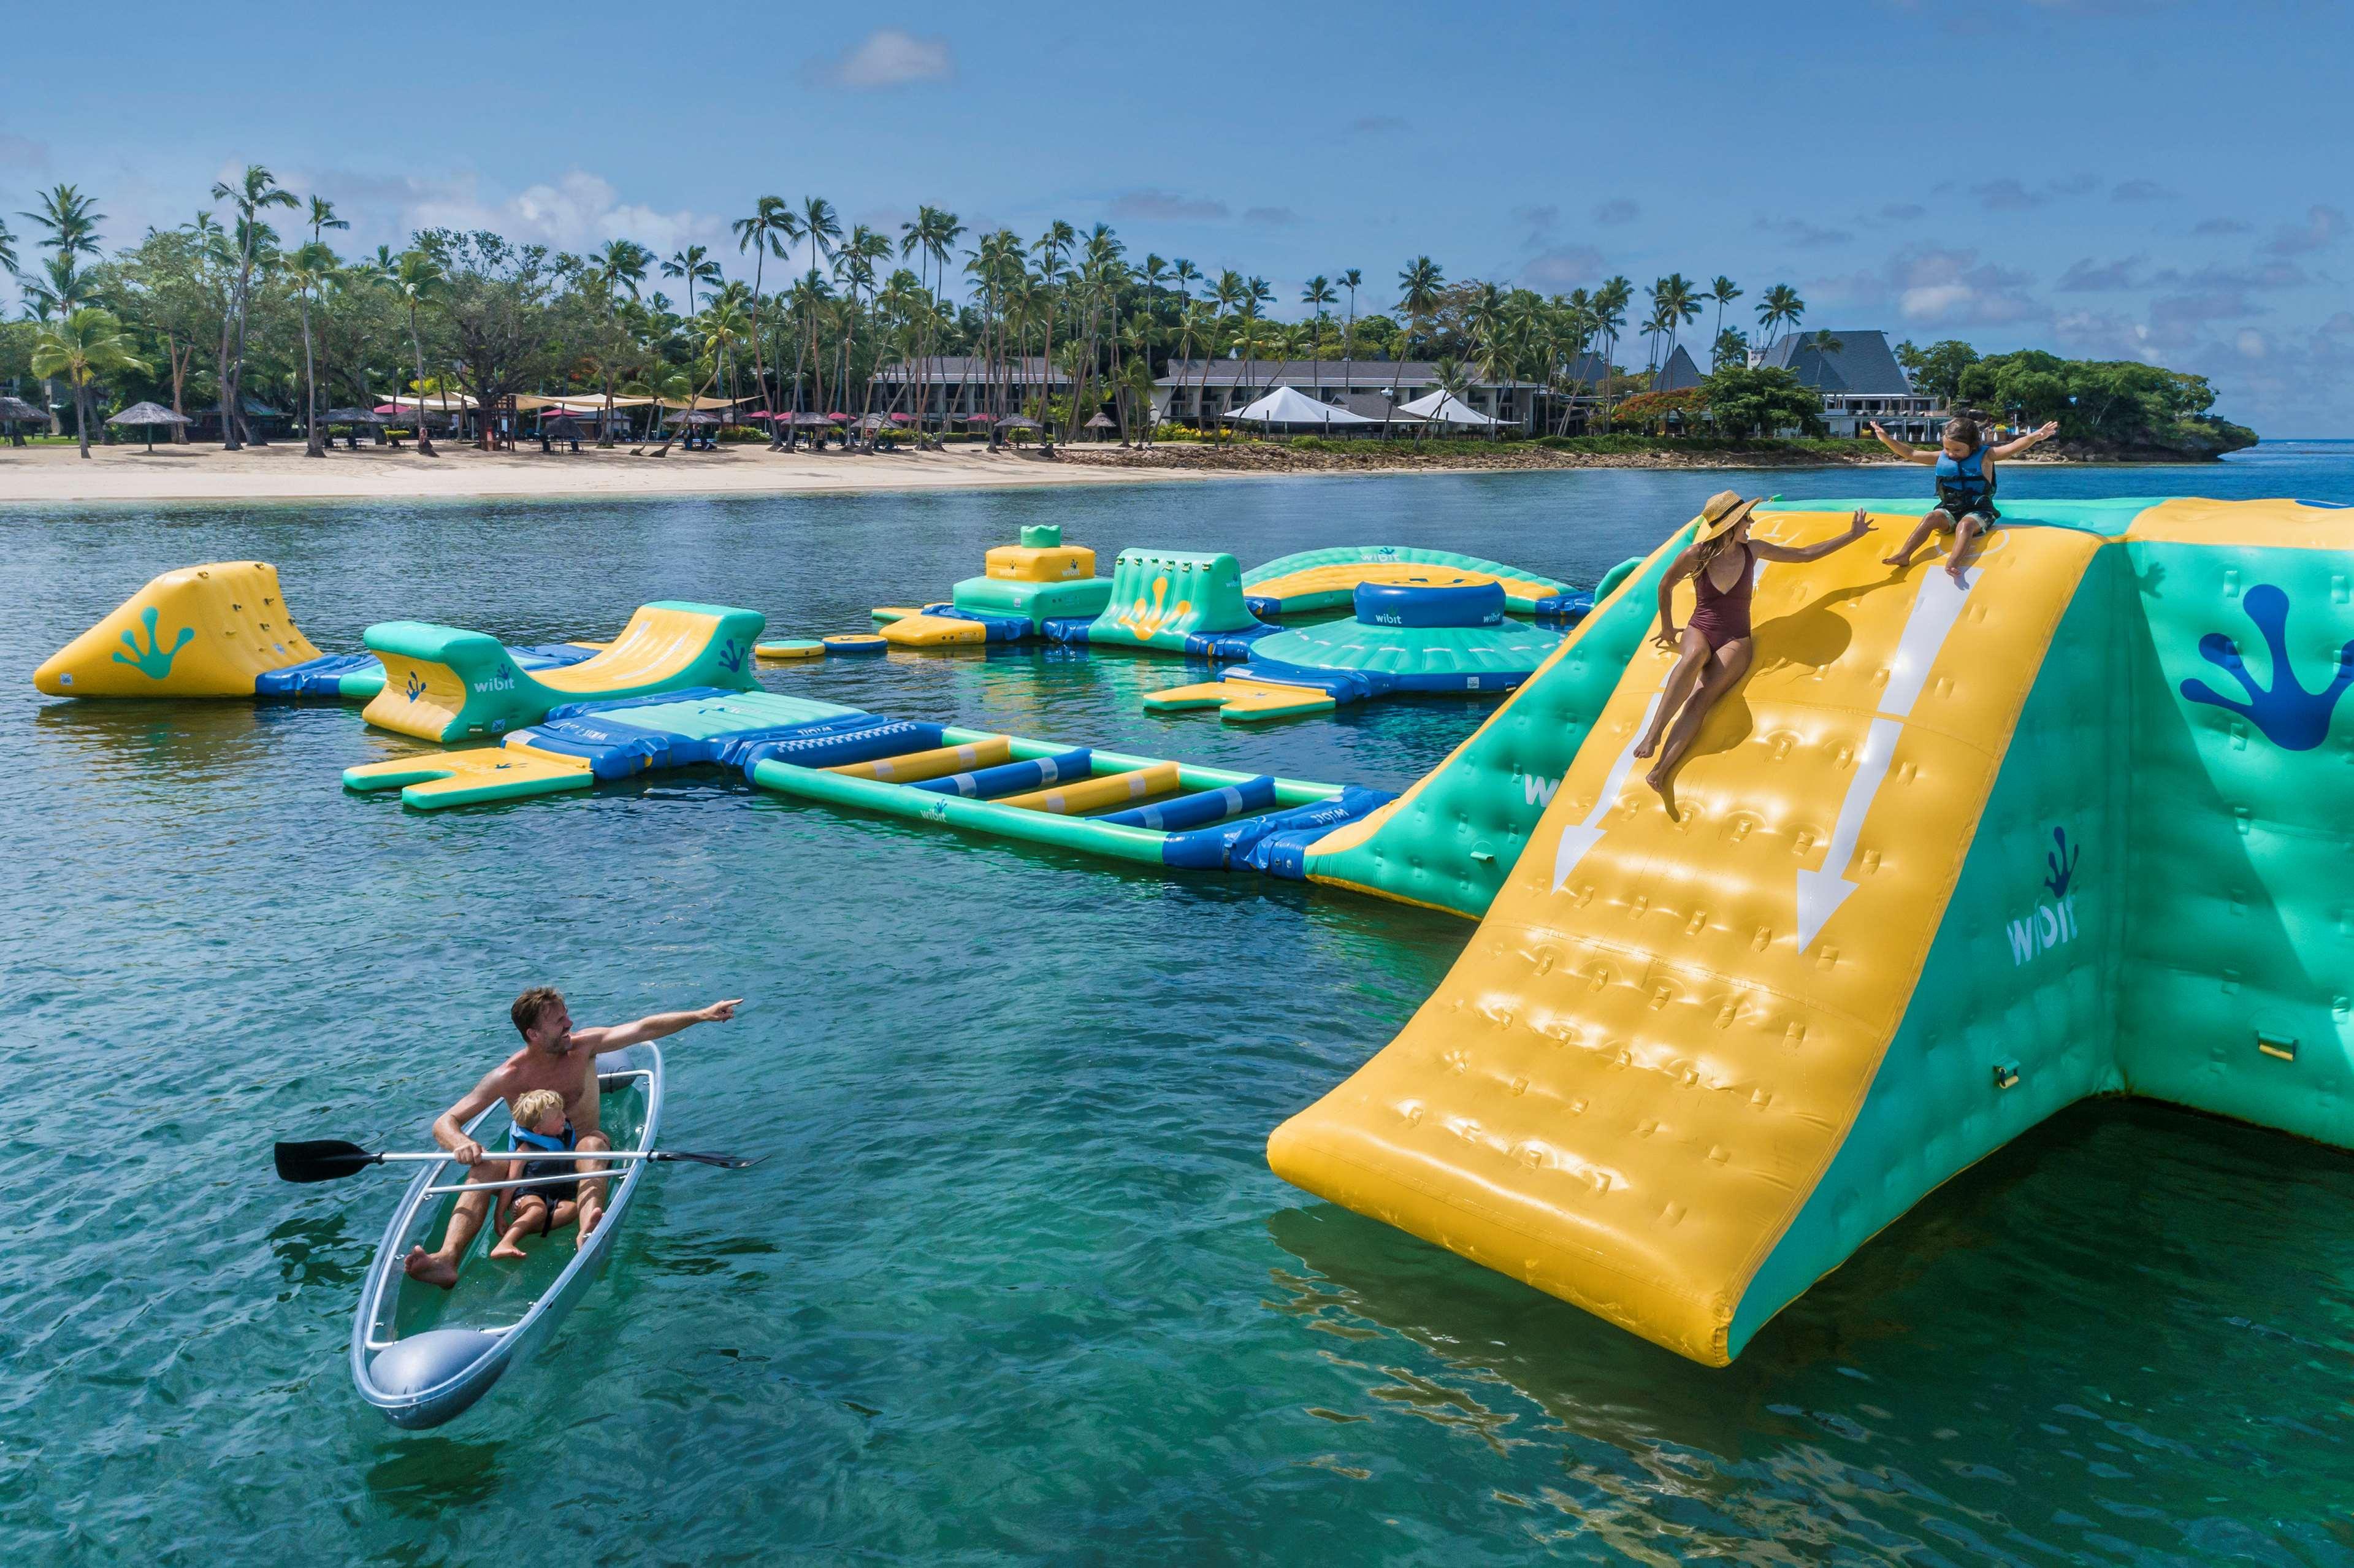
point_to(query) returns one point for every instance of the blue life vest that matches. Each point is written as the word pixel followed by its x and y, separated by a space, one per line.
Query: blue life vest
pixel 1963 482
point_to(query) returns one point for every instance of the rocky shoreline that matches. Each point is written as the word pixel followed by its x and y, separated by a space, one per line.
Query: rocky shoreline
pixel 1263 457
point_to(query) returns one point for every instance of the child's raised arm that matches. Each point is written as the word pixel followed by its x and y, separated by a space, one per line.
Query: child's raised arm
pixel 1903 449
pixel 2033 439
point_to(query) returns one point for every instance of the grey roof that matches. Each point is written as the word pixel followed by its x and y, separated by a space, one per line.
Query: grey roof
pixel 148 414
pixel 1308 374
pixel 1861 367
pixel 1679 373
pixel 1027 370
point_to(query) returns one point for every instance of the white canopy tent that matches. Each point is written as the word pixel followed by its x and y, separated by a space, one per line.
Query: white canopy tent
pixel 1444 407
pixel 1288 405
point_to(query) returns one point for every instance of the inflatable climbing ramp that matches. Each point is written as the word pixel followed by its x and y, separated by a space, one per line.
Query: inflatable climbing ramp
pixel 1951 858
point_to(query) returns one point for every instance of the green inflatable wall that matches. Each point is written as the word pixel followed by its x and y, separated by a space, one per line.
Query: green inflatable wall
pixel 1159 598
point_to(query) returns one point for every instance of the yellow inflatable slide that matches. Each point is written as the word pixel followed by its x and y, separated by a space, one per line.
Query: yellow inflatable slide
pixel 1659 1039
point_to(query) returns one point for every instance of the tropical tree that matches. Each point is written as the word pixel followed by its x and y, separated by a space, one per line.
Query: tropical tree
pixel 166 292
pixel 1419 296
pixel 1351 280
pixel 416 280
pixel 1745 403
pixel 1724 291
pixel 619 267
pixel 254 193
pixel 505 332
pixel 770 230
pixel 1610 302
pixel 1317 294
pixel 719 330
pixel 821 226
pixel 88 344
pixel 308 271
pixel 694 264
pixel 70 220
pixel 1778 307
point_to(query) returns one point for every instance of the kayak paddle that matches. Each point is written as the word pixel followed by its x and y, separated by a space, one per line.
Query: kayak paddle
pixel 331 1159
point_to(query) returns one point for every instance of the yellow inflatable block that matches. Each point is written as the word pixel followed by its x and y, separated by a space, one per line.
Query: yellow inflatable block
pixel 933 631
pixel 1343 577
pixel 1039 563
pixel 1095 794
pixel 917 766
pixel 199 632
pixel 1639 1070
pixel 1242 702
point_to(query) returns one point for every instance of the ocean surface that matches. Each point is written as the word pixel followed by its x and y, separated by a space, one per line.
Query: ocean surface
pixel 1016 1285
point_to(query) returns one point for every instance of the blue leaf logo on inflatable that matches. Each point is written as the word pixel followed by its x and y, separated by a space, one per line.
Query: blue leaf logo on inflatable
pixel 155 661
pixel 732 656
pixel 2290 716
pixel 2061 858
pixel 416 686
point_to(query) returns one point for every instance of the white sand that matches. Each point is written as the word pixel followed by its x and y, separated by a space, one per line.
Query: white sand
pixel 280 472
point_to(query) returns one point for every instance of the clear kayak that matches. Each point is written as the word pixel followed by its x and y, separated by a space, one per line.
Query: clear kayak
pixel 422 1354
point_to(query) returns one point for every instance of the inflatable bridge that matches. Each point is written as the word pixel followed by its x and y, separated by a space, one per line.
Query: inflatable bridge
pixel 1952 857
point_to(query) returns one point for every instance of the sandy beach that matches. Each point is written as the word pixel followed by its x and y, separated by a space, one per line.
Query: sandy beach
pixel 280 472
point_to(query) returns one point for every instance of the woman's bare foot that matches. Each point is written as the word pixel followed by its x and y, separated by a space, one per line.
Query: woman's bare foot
pixel 1648 745
pixel 589 1214
pixel 1657 778
pixel 430 1267
pixel 1903 560
pixel 507 1249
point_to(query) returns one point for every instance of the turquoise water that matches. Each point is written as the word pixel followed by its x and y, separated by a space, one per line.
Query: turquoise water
pixel 1016 1285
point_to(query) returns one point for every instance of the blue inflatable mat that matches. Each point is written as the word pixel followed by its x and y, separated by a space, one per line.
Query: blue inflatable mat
pixel 1565 606
pixel 1011 777
pixel 1227 646
pixel 320 677
pixel 1235 844
pixel 889 738
pixel 997 628
pixel 613 749
pixel 1194 811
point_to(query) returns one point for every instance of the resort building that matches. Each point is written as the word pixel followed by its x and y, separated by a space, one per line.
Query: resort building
pixel 1860 380
pixel 955 386
pixel 1195 389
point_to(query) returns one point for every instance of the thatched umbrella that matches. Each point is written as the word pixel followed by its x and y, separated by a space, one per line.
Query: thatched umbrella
pixel 353 416
pixel 149 415
pixel 1102 421
pixel 1019 422
pixel 15 411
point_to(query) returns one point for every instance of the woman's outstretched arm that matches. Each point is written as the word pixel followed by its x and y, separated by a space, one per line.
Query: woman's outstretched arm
pixel 1858 526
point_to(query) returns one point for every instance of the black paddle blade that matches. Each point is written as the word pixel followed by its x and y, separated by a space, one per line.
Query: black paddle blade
pixel 323 1159
pixel 724 1162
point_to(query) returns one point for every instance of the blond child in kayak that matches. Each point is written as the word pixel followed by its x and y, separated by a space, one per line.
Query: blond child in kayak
pixel 539 1123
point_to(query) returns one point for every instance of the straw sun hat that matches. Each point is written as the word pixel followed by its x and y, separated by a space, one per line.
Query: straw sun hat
pixel 1721 513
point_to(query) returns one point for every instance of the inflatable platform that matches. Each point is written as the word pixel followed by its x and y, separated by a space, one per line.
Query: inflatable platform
pixel 580 745
pixel 222 629
pixel 442 684
pixel 1446 635
pixel 1950 859
pixel 1315 581
pixel 1022 588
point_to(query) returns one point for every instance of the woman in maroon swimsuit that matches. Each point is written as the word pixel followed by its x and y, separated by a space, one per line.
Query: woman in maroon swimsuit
pixel 1713 648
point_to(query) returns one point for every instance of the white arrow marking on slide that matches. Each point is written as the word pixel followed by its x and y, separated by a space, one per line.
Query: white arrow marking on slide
pixel 1576 839
pixel 1935 610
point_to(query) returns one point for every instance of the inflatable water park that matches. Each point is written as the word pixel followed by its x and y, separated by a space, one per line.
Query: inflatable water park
pixel 1958 851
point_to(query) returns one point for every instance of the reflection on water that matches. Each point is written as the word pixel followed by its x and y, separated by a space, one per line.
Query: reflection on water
pixel 1014 1283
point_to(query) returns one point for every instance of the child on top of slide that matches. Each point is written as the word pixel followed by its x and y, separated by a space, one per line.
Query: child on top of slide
pixel 1964 473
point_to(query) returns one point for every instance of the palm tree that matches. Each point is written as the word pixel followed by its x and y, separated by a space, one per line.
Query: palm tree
pixel 1825 342
pixel 71 220
pixel 939 238
pixel 309 268
pixel 1780 306
pixel 1352 281
pixel 7 249
pixel 821 226
pixel 1680 303
pixel 1318 292
pixel 855 267
pixel 1724 291
pixel 719 330
pixel 1610 302
pixel 767 232
pixel 86 344
pixel 416 278
pixel 255 193
pixel 1050 248
pixel 1418 291
pixel 322 217
pixel 618 264
pixel 694 264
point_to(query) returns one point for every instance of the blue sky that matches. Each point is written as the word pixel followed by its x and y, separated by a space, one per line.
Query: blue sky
pixel 2167 181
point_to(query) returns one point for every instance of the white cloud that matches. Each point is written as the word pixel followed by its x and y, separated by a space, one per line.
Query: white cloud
pixel 1564 267
pixel 577 211
pixel 891 57
pixel 2321 227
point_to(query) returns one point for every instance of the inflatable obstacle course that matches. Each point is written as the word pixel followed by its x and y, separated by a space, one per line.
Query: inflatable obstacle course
pixel 1021 588
pixel 1138 808
pixel 1313 581
pixel 583 744
pixel 1448 634
pixel 443 684
pixel 222 629
pixel 1950 859
pixel 1174 601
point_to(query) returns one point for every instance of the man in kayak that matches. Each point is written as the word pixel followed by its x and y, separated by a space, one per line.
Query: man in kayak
pixel 554 1055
